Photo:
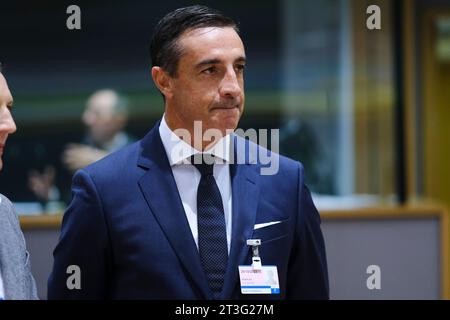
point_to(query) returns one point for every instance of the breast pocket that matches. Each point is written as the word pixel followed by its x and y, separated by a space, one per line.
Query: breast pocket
pixel 272 232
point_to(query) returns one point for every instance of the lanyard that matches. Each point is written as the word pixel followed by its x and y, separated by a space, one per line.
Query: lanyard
pixel 256 259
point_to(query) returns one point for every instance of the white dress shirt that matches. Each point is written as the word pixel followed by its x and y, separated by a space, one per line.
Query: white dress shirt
pixel 2 291
pixel 187 177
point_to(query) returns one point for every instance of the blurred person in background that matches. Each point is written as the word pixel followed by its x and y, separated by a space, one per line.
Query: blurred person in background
pixel 16 280
pixel 105 118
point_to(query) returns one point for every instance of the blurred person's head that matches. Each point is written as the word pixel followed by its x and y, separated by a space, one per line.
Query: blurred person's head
pixel 197 64
pixel 105 115
pixel 7 125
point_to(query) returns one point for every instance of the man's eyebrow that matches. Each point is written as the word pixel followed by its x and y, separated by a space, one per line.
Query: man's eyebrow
pixel 214 61
pixel 206 62
pixel 241 59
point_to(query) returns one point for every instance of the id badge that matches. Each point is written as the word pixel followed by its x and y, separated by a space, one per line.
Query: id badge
pixel 259 281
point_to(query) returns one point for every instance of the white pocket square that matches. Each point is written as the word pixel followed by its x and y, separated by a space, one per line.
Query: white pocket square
pixel 266 224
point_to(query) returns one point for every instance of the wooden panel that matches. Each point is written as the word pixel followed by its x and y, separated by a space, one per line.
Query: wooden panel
pixel 436 113
pixel 374 136
pixel 407 212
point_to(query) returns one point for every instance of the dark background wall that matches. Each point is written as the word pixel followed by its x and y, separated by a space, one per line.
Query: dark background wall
pixel 51 71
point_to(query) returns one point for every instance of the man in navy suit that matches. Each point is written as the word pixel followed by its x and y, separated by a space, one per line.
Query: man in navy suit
pixel 149 222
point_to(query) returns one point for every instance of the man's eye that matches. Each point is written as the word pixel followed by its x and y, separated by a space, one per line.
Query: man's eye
pixel 240 68
pixel 210 70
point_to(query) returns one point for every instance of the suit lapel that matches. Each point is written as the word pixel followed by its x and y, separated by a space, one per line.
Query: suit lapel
pixel 245 193
pixel 161 193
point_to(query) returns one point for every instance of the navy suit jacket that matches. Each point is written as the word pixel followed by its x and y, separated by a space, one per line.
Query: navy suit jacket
pixel 127 231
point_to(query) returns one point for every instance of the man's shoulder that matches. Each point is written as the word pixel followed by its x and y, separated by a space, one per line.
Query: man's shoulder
pixel 116 163
pixel 4 202
pixel 250 152
pixel 6 208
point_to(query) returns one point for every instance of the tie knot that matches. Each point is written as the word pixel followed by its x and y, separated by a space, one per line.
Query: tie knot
pixel 204 163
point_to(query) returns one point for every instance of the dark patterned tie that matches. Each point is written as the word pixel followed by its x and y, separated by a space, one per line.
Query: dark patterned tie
pixel 212 236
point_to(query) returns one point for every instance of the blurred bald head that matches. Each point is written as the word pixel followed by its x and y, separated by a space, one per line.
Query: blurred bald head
pixel 105 115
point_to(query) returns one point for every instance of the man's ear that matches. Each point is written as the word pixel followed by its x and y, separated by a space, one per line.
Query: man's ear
pixel 162 81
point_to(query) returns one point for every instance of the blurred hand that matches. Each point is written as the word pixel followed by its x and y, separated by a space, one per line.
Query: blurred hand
pixel 41 184
pixel 77 156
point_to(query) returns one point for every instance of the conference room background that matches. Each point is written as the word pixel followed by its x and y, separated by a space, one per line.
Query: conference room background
pixel 365 111
pixel 296 80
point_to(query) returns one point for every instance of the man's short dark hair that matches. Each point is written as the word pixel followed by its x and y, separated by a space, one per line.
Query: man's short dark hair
pixel 165 52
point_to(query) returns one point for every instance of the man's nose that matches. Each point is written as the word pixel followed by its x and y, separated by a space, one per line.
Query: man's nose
pixel 230 87
pixel 9 124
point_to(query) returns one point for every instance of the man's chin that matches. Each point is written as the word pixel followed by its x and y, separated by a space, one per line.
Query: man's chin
pixel 226 127
pixel 226 118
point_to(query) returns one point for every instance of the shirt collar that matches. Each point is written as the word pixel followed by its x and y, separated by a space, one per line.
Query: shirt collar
pixel 178 151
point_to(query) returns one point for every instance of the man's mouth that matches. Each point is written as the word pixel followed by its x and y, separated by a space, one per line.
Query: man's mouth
pixel 225 107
